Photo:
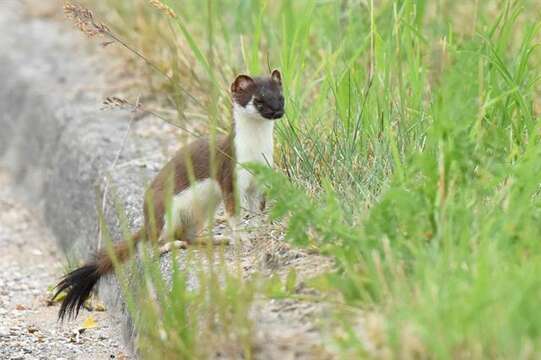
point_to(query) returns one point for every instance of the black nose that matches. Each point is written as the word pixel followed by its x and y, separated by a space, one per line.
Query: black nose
pixel 278 113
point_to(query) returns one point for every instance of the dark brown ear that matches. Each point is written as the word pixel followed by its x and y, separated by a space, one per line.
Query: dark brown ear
pixel 276 76
pixel 241 83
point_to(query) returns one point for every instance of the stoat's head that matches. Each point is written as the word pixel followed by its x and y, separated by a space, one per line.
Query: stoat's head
pixel 259 97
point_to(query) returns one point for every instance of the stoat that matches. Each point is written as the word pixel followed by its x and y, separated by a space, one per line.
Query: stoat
pixel 186 192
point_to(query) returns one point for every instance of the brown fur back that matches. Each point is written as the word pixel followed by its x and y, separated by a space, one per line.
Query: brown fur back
pixel 191 163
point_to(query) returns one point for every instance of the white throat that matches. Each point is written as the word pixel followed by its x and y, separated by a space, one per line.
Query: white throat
pixel 253 135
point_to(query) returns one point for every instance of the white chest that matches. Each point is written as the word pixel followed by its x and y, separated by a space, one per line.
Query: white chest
pixel 253 143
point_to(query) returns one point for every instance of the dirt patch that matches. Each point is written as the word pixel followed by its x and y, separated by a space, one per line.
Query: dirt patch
pixel 286 328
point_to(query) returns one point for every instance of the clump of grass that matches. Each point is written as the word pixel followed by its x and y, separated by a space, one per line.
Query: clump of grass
pixel 448 252
pixel 196 321
pixel 200 307
pixel 410 150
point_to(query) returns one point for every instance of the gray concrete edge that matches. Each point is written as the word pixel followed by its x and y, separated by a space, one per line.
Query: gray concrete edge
pixel 60 147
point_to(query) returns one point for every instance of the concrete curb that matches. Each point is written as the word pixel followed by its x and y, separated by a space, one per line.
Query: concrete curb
pixel 60 146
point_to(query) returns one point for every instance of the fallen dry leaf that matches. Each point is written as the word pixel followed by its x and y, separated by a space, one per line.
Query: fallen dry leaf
pixel 89 323
pixel 121 356
pixel 58 299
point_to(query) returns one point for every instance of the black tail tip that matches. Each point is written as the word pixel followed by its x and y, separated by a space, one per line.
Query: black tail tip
pixel 78 285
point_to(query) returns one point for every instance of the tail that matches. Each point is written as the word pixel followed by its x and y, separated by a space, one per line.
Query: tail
pixel 79 283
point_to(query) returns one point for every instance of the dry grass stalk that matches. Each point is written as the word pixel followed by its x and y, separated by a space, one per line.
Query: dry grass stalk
pixel 163 8
pixel 84 20
pixel 113 102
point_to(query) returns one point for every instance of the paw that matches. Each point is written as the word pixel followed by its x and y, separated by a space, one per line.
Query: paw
pixel 177 244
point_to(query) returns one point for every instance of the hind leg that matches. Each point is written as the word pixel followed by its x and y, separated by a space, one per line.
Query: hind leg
pixel 182 242
pixel 177 244
pixel 189 231
pixel 184 233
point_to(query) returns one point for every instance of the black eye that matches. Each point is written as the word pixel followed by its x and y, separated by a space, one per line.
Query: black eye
pixel 258 102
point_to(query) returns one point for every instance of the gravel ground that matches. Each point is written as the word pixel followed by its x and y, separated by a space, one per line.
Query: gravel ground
pixel 30 264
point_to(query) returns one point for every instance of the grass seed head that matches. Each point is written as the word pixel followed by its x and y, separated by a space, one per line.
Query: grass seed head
pixel 163 8
pixel 113 102
pixel 84 20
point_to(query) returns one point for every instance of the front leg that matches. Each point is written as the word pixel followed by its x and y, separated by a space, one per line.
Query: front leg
pixel 254 201
pixel 233 217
